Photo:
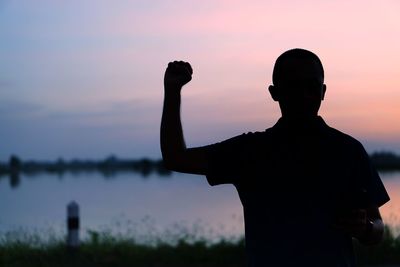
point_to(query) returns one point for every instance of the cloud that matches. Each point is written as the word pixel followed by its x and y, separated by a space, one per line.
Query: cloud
pixel 18 108
pixel 133 111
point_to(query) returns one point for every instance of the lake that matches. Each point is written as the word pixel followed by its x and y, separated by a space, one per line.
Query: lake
pixel 129 203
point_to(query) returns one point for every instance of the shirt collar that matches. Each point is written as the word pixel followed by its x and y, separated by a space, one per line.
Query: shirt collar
pixel 309 124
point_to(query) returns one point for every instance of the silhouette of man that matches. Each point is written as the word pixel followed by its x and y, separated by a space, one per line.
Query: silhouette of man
pixel 306 188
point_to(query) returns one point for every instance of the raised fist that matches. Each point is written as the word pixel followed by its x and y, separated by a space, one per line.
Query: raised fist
pixel 178 74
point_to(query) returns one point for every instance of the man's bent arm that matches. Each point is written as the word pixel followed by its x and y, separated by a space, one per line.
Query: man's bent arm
pixel 374 233
pixel 365 225
pixel 173 148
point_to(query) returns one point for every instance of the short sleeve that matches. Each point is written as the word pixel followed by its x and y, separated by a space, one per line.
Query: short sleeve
pixel 227 160
pixel 371 181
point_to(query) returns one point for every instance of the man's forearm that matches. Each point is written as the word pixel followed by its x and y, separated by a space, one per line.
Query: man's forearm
pixel 171 134
pixel 173 148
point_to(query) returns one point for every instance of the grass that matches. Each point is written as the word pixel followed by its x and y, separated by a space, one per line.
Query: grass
pixel 105 249
pixel 386 253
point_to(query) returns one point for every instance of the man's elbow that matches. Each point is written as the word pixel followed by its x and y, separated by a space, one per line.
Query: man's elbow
pixel 172 162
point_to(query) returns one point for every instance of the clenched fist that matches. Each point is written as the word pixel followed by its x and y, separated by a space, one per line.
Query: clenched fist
pixel 178 74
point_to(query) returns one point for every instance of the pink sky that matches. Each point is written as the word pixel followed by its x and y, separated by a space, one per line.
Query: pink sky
pixel 92 71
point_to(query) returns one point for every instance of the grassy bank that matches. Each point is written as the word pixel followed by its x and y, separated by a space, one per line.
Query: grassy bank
pixel 113 252
pixel 104 250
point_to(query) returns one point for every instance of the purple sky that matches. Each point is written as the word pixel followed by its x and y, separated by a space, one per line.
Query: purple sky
pixel 84 78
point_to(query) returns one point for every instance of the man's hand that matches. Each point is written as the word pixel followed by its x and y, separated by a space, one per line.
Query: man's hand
pixel 364 224
pixel 178 74
pixel 353 223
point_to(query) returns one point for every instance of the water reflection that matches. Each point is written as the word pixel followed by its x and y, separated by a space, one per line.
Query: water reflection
pixel 391 210
pixel 40 201
pixel 182 199
pixel 14 180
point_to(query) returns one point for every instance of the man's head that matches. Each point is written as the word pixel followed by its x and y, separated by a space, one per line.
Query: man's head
pixel 298 83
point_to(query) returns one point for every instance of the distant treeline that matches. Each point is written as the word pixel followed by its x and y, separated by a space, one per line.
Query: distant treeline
pixel 383 161
pixel 108 167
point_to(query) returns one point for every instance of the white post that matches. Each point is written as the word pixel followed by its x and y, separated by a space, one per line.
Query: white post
pixel 73 225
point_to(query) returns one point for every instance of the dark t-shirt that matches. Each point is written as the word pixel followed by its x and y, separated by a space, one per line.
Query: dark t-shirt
pixel 293 181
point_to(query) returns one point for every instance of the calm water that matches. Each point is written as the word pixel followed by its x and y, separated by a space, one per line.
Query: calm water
pixel 133 203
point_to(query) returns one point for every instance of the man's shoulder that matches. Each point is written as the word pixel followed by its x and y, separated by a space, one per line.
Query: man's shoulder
pixel 274 134
pixel 340 138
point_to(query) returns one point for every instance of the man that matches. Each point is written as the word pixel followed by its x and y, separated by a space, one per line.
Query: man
pixel 306 188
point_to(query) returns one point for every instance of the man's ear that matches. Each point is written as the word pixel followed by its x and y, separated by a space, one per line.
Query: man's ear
pixel 274 92
pixel 323 91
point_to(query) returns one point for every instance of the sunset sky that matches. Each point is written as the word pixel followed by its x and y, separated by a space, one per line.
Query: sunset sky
pixel 84 78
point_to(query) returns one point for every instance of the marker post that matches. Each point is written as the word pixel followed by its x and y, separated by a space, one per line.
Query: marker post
pixel 73 225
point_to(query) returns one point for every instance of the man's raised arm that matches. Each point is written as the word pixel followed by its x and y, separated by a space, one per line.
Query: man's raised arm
pixel 173 148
